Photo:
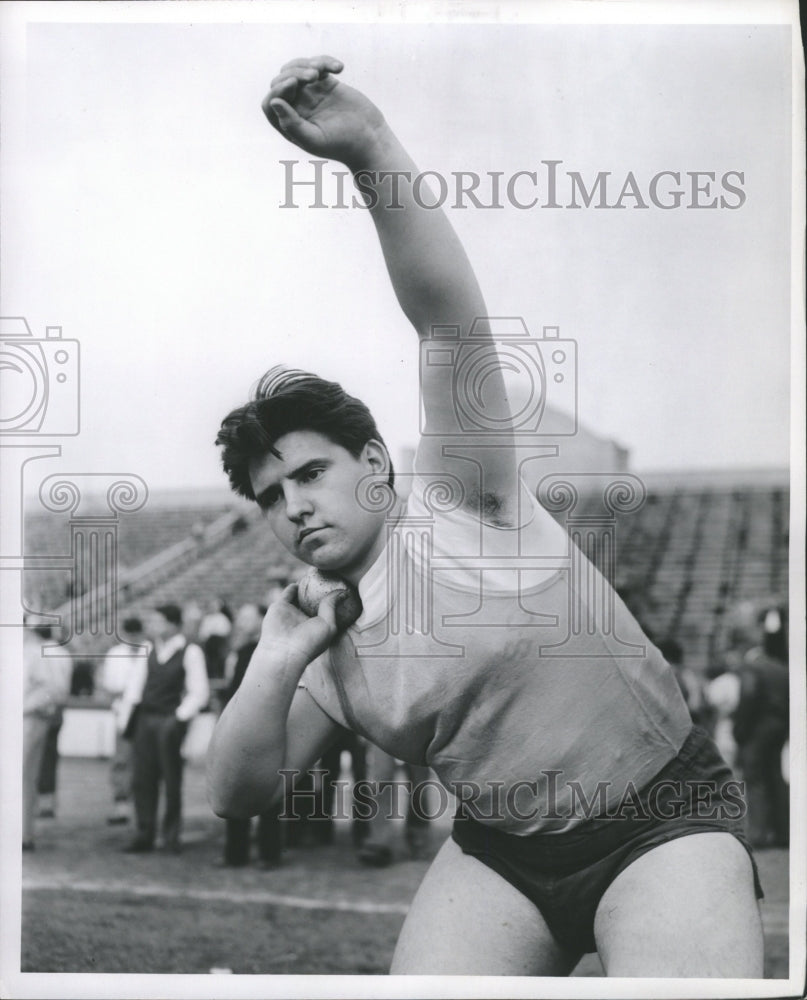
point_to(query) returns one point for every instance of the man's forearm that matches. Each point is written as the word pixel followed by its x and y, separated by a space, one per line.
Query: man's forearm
pixel 248 745
pixel 429 269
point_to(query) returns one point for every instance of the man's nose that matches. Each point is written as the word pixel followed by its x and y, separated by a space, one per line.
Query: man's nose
pixel 297 503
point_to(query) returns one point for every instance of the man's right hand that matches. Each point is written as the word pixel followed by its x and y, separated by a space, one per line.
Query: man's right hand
pixel 323 116
pixel 290 634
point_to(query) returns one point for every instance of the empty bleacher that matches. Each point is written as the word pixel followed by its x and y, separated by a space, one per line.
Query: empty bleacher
pixel 140 536
pixel 694 549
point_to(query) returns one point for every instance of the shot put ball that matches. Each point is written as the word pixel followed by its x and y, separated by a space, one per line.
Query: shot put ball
pixel 316 585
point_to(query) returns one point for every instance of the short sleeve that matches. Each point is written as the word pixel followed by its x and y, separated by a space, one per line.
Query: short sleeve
pixel 462 546
pixel 318 681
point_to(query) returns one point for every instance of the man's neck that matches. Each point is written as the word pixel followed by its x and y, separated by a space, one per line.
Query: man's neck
pixel 355 572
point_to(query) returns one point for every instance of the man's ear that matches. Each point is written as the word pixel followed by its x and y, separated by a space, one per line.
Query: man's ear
pixel 377 457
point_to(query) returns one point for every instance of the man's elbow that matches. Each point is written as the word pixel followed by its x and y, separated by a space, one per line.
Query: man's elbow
pixel 231 801
pixel 226 809
pixel 226 803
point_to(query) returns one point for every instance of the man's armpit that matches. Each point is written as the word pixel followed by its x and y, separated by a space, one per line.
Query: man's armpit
pixel 490 507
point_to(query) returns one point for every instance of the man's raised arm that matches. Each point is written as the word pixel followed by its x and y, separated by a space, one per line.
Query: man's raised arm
pixel 429 269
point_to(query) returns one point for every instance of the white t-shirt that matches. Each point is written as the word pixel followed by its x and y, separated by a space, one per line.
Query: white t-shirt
pixel 468 658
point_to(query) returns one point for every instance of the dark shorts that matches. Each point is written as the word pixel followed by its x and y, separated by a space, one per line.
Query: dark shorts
pixel 566 874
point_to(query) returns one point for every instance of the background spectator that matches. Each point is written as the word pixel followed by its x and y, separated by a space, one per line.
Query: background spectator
pixel 192 615
pixel 689 682
pixel 761 726
pixel 48 768
pixel 214 630
pixel 380 849
pixel 46 686
pixel 175 690
pixel 122 673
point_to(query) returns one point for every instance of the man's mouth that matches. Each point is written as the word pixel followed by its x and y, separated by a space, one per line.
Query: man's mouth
pixel 305 533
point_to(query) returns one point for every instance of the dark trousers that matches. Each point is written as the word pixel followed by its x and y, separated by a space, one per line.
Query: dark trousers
pixel 330 764
pixel 157 759
pixel 50 758
pixel 269 839
pixel 766 792
pixel 307 812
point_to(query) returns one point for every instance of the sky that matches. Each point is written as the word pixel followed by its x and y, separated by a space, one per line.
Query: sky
pixel 142 212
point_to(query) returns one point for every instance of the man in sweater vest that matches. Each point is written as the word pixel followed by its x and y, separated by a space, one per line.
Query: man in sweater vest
pixel 175 689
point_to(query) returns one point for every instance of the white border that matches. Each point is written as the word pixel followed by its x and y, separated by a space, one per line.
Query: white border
pixel 14 18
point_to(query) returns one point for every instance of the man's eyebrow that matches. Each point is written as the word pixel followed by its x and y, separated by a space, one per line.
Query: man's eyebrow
pixel 262 498
pixel 301 470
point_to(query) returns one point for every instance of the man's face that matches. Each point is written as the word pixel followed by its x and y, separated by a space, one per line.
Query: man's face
pixel 158 628
pixel 309 497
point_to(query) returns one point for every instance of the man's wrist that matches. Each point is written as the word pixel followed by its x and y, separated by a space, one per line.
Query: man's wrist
pixel 273 658
pixel 377 154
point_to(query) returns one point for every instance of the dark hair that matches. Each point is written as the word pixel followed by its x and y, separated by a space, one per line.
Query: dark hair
pixel 171 612
pixel 132 626
pixel 285 400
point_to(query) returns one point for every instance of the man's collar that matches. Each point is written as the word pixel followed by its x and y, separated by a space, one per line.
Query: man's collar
pixel 165 650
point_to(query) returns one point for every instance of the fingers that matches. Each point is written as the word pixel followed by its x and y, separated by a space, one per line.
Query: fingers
pixel 286 86
pixel 307 70
pixel 327 608
pixel 286 119
pixel 289 594
pixel 316 634
pixel 320 64
pixel 287 82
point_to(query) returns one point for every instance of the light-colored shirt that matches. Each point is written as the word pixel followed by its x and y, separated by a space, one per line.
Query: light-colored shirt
pixel 121 661
pixel 122 675
pixel 216 623
pixel 723 693
pixel 466 666
pixel 46 681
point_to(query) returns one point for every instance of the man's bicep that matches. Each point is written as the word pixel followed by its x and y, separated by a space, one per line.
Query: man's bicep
pixel 466 420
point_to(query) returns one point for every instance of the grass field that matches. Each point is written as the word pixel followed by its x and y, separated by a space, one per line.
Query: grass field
pixel 89 908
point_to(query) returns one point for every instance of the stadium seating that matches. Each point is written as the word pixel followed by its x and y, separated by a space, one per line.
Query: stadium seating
pixel 689 554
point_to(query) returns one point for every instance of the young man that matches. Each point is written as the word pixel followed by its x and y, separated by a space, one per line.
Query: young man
pixel 175 689
pixel 121 680
pixel 46 687
pixel 454 660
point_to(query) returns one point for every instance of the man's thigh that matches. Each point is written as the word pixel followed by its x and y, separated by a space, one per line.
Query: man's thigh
pixel 170 735
pixel 686 908
pixel 467 920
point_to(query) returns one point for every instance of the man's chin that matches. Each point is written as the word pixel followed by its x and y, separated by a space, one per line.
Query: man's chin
pixel 331 562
